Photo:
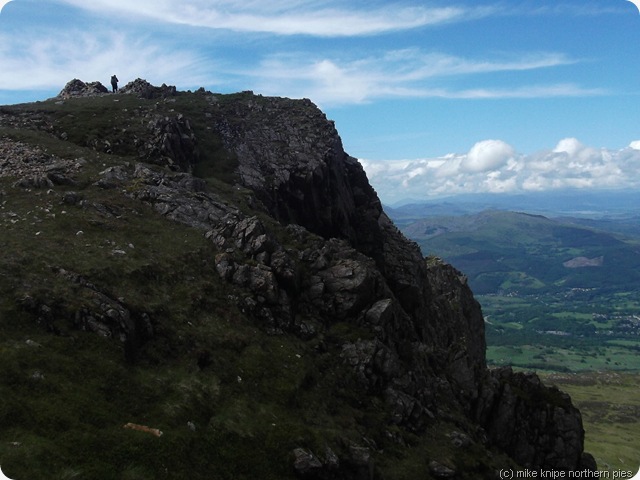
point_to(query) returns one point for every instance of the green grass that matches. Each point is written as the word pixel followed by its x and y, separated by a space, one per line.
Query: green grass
pixel 557 359
pixel 573 316
pixel 50 235
pixel 66 399
pixel 114 125
pixel 231 399
pixel 520 280
pixel 66 396
pixel 610 408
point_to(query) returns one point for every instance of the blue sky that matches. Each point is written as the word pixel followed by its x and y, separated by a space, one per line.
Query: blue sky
pixel 434 98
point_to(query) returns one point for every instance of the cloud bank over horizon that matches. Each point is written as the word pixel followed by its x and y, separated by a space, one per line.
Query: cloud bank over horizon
pixel 493 166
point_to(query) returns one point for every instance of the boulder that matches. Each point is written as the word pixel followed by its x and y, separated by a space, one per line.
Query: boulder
pixel 78 88
pixel 143 89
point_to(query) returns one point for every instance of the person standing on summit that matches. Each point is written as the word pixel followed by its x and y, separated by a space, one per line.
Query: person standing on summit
pixel 114 83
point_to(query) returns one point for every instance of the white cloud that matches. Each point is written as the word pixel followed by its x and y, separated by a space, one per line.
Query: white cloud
pixel 529 91
pixel 403 73
pixel 570 146
pixel 579 9
pixel 487 155
pixel 284 17
pixel 53 59
pixel 47 59
pixel 319 17
pixel 635 145
pixel 436 64
pixel 493 166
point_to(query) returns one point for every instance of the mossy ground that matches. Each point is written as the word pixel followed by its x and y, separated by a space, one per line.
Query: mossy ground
pixel 66 400
pixel 231 400
pixel 66 397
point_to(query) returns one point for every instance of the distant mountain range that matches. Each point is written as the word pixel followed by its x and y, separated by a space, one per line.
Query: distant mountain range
pixel 503 250
pixel 593 204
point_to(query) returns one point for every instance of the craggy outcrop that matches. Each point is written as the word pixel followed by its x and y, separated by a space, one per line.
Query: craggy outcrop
pixel 99 313
pixel 536 425
pixel 143 89
pixel 139 87
pixel 317 249
pixel 35 168
pixel 171 142
pixel 78 88
pixel 426 321
pixel 291 156
pixel 297 167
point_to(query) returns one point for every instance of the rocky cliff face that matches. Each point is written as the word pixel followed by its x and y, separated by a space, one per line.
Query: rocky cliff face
pixel 426 321
pixel 307 247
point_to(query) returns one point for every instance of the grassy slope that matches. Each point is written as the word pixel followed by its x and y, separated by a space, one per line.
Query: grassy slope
pixel 66 397
pixel 69 397
pixel 610 409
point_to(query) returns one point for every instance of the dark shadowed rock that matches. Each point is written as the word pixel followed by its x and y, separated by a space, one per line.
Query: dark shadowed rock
pixel 306 464
pixel 426 321
pixel 171 143
pixel 535 424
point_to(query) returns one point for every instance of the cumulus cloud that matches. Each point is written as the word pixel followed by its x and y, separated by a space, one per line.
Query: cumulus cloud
pixel 487 155
pixel 493 166
pixel 570 146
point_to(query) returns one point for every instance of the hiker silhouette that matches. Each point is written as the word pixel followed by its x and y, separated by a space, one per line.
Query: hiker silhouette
pixel 114 83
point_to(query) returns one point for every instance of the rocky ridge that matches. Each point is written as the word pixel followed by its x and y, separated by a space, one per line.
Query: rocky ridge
pixel 139 87
pixel 315 249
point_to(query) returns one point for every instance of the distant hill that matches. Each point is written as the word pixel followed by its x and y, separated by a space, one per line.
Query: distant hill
pixel 510 251
pixel 627 225
pixel 598 205
pixel 556 294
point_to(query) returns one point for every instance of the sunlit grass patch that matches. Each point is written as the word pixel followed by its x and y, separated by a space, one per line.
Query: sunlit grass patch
pixel 610 409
